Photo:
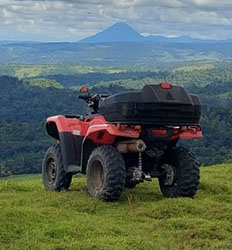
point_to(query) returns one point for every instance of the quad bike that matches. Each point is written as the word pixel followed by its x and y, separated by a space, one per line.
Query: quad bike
pixel 127 138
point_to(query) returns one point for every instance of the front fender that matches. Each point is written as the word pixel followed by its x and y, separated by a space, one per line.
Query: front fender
pixel 58 127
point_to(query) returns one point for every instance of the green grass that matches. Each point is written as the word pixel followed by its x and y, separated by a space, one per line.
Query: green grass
pixel 31 218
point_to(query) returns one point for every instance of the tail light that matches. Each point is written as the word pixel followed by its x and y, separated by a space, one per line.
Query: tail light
pixel 129 129
pixel 165 85
pixel 176 131
pixel 190 128
pixel 138 128
pixel 160 132
pixel 184 129
pixel 198 128
pixel 194 128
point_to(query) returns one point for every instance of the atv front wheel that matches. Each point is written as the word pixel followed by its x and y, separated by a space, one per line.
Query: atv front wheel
pixel 106 173
pixel 180 173
pixel 54 176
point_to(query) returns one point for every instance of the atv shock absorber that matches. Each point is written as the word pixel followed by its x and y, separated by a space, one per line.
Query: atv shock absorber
pixel 146 176
pixel 137 172
pixel 140 162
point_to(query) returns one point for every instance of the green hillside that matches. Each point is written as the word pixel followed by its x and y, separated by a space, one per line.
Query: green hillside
pixel 26 103
pixel 38 91
pixel 32 218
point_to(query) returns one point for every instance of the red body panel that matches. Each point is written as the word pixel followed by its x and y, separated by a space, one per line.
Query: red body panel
pixel 100 131
pixel 188 135
pixel 94 127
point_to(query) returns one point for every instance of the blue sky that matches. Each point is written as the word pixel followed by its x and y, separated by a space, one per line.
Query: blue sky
pixel 70 20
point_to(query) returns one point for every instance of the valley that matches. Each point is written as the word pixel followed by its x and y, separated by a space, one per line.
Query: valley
pixel 31 93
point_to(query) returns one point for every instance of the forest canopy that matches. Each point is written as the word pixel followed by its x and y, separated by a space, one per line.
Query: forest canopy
pixel 26 103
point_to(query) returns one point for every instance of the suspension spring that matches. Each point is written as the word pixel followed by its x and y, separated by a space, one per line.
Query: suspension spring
pixel 140 161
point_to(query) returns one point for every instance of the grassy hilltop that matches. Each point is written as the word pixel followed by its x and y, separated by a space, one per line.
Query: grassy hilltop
pixel 32 218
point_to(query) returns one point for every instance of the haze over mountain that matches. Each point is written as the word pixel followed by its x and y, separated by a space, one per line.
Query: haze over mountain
pixel 122 32
pixel 117 45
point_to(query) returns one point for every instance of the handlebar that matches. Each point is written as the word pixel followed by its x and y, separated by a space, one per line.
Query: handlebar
pixel 93 101
pixel 81 97
pixel 84 97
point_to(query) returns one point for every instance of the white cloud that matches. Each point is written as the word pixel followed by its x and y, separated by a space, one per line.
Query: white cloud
pixel 212 4
pixel 73 20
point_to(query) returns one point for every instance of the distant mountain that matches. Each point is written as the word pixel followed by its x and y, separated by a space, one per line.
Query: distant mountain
pixel 6 42
pixel 122 32
pixel 180 39
pixel 122 45
pixel 119 32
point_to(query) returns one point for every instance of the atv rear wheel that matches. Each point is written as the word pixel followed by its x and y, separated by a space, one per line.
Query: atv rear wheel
pixel 106 173
pixel 54 176
pixel 180 173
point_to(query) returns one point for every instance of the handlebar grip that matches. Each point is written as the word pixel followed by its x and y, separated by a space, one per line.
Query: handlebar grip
pixel 104 95
pixel 84 97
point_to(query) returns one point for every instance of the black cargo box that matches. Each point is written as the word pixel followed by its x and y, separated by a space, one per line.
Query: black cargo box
pixel 153 105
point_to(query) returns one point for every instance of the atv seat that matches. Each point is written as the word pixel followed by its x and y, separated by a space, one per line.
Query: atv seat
pixel 80 117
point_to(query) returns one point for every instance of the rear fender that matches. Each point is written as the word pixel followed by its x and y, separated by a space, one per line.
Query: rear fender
pixel 103 134
pixel 191 135
pixel 192 132
pixel 58 128
pixel 107 133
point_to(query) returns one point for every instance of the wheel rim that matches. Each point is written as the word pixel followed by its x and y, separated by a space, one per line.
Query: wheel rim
pixel 51 170
pixel 169 175
pixel 97 175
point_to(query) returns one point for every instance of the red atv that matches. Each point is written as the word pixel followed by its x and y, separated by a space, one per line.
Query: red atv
pixel 128 138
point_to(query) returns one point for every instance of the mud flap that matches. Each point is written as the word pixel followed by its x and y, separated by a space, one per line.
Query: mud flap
pixel 71 151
